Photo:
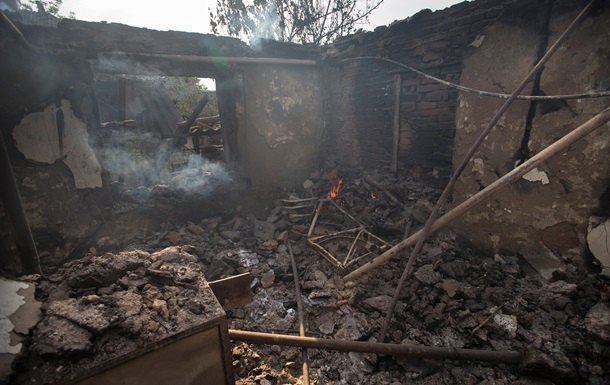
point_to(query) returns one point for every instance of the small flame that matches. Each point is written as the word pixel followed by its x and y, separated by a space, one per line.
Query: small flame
pixel 373 196
pixel 335 186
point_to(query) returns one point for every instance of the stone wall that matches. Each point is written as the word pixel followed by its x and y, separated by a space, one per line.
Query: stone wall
pixel 50 118
pixel 544 216
pixel 432 42
pixel 491 46
pixel 281 139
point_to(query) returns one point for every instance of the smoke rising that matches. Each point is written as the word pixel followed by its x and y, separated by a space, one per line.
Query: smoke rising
pixel 138 162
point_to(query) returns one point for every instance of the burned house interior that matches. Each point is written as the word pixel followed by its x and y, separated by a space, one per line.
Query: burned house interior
pixel 425 203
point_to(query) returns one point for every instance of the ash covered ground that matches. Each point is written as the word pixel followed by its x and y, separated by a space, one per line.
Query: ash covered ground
pixel 456 298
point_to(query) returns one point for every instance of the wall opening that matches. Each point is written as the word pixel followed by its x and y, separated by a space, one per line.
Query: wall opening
pixel 143 138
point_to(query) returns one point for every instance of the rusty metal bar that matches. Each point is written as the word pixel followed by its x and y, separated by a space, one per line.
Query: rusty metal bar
pixel 578 133
pixel 398 350
pixel 297 289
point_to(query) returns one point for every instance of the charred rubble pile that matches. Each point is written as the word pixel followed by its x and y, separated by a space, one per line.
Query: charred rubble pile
pixel 99 308
pixel 457 298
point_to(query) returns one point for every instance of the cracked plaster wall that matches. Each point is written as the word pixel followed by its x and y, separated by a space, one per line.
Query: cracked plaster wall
pixel 544 216
pixel 282 139
pixel 41 138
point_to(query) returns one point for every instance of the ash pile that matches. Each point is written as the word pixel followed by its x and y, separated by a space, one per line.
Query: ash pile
pixel 99 308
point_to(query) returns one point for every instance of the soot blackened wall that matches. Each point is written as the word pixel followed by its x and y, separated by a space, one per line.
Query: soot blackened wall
pixel 432 42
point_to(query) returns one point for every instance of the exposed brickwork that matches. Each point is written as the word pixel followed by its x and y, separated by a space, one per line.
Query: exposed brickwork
pixel 434 42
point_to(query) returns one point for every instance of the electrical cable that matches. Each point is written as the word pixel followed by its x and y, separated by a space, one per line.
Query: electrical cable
pixel 587 95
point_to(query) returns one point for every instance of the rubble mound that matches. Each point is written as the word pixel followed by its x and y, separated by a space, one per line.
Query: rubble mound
pixel 101 308
pixel 456 298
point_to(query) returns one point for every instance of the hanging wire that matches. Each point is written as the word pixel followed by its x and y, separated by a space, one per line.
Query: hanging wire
pixel 586 95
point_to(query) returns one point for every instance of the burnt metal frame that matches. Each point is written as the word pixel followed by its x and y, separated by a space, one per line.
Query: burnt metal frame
pixel 362 235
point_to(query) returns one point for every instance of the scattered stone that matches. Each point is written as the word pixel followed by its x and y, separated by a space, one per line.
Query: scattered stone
pixel 268 279
pixel 57 335
pixel 175 254
pixel 160 307
pixel 597 321
pixel 349 330
pixel 360 363
pixel 316 294
pixel 562 287
pixel 308 285
pixel 270 245
pixel 230 235
pixel 264 230
pixel 454 269
pixel 451 287
pixel 556 368
pixel 87 317
pixel 173 237
pixel 508 323
pixel 380 303
pixel 427 275
pixel 327 327
pixel 432 251
pixel 193 228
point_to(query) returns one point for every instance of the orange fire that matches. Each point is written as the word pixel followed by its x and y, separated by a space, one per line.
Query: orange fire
pixel 335 186
pixel 373 196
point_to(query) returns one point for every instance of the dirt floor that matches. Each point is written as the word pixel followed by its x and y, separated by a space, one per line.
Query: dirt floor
pixel 456 298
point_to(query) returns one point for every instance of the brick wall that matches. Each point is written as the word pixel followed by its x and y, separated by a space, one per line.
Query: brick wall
pixel 433 42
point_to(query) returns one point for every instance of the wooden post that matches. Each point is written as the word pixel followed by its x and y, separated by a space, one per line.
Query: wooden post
pixel 11 200
pixel 397 89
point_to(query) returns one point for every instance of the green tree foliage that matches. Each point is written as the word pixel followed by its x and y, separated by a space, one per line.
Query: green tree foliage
pixel 299 21
pixel 49 6
pixel 186 93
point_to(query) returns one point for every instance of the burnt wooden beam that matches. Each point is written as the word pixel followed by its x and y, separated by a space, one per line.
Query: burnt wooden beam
pixel 11 199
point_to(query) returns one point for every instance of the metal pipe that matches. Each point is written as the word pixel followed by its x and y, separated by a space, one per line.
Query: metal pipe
pixel 577 134
pixel 398 350
pixel 297 288
pixel 458 171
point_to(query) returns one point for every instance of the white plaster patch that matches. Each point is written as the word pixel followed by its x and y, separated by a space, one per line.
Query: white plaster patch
pixel 37 138
pixel 478 40
pixel 537 176
pixel 478 166
pixel 598 240
pixel 10 302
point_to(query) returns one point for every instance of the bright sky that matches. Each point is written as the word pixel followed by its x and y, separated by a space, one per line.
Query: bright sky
pixel 194 15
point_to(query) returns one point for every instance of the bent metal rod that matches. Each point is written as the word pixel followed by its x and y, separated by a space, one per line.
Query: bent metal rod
pixel 402 350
